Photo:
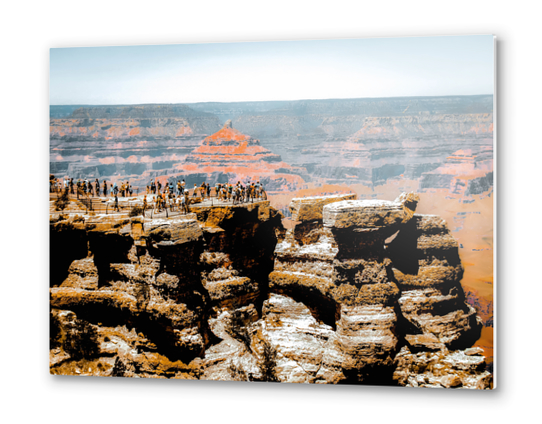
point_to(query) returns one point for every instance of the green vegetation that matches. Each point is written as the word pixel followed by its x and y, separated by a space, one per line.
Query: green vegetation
pixel 119 369
pixel 237 327
pixel 81 340
pixel 136 211
pixel 62 201
pixel 142 293
pixel 268 363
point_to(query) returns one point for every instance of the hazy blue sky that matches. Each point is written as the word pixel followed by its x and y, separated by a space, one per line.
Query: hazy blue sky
pixel 285 70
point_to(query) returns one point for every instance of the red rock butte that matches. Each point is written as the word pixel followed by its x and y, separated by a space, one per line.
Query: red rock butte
pixel 240 156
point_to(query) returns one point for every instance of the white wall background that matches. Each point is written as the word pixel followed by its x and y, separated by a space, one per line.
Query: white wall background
pixel 29 29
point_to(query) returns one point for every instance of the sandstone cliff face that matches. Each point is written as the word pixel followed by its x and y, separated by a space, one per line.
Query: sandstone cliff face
pixel 465 173
pixel 339 141
pixel 382 286
pixel 137 142
pixel 230 156
pixel 147 288
pixel 361 292
pixel 389 146
pixel 371 140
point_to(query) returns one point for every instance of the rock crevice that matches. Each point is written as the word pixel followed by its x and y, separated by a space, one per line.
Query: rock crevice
pixel 357 292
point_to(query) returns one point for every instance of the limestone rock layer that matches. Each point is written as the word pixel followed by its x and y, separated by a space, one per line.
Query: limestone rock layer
pixel 229 155
pixel 358 292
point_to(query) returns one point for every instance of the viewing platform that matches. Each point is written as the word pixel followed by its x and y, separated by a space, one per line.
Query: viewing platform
pixel 97 205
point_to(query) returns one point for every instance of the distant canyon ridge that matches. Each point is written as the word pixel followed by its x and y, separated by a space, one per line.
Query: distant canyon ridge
pixel 443 142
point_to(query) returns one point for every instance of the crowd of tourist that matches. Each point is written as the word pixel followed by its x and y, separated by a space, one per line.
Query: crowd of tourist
pixel 83 188
pixel 177 197
pixel 160 197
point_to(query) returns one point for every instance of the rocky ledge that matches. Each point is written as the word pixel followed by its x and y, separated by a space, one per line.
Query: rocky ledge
pixel 360 292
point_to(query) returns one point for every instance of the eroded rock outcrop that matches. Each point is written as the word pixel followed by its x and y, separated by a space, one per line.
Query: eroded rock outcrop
pixel 138 142
pixel 229 155
pixel 165 278
pixel 386 282
pixel 387 146
pixel 466 172
pixel 358 291
pixel 343 141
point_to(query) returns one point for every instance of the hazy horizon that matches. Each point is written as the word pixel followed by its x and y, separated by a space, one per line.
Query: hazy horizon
pixel 278 100
pixel 340 69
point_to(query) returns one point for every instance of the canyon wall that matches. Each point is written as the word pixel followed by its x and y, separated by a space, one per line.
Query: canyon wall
pixel 145 289
pixel 231 156
pixel 440 147
pixel 126 142
pixel 357 292
pixel 342 141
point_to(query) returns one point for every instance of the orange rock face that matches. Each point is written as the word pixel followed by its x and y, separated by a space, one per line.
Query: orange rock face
pixel 241 158
pixel 225 293
pixel 465 172
pixel 125 142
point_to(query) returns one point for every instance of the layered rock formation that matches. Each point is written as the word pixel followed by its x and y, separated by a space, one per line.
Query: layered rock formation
pixel 387 147
pixel 363 292
pixel 465 173
pixel 146 288
pixel 336 140
pixel 383 308
pixel 136 142
pixel 230 156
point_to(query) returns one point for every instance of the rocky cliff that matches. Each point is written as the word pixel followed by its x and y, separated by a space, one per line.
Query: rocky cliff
pixel 364 292
pixel 230 156
pixel 146 289
pixel 136 142
pixel 370 140
pixel 465 173
pixel 335 141
pixel 406 146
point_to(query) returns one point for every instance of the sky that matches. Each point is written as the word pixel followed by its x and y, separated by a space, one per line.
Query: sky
pixel 281 70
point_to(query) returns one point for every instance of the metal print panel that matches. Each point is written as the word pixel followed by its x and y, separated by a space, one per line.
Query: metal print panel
pixel 297 211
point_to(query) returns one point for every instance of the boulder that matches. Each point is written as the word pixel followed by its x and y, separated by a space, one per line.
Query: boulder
pixel 312 208
pixel 370 214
